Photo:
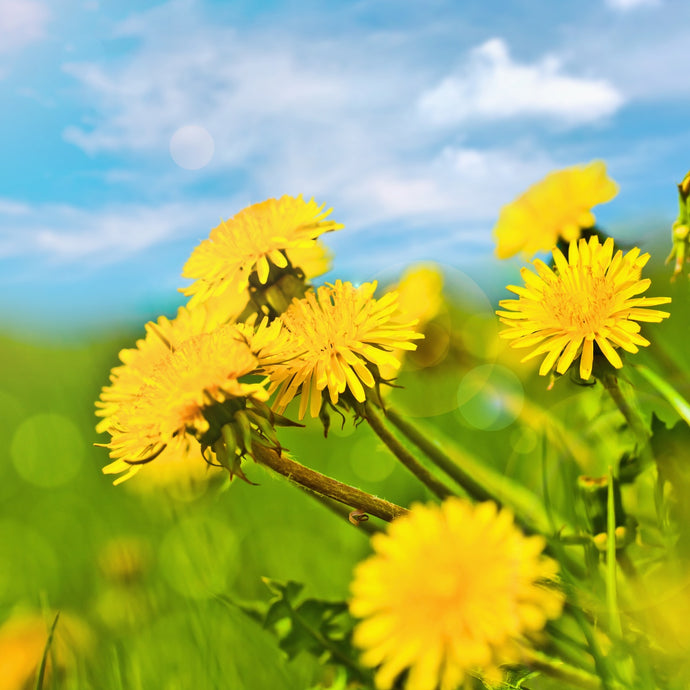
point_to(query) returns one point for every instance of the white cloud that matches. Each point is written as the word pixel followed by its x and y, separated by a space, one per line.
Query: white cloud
pixel 21 22
pixel 460 185
pixel 491 86
pixel 463 188
pixel 64 234
pixel 625 5
pixel 8 207
pixel 333 118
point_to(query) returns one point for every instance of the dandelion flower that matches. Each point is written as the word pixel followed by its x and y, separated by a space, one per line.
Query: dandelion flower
pixel 420 298
pixel 558 206
pixel 23 639
pixel 342 335
pixel 179 465
pixel 589 299
pixel 186 401
pixel 420 292
pixel 451 591
pixel 258 237
pixel 161 337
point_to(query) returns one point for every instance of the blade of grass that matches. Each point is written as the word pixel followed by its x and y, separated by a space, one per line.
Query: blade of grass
pixel 676 400
pixel 611 587
pixel 40 676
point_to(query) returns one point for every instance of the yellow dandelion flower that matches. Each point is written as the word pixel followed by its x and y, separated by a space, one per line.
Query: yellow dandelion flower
pixel 558 206
pixel 23 639
pixel 342 335
pixel 186 401
pixel 314 260
pixel 451 591
pixel 179 464
pixel 589 299
pixel 420 293
pixel 257 238
pixel 161 337
pixel 420 299
pixel 230 306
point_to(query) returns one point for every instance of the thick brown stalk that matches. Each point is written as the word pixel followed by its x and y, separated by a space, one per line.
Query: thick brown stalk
pixel 326 486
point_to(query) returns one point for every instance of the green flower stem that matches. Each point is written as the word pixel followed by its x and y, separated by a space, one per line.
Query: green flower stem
pixel 679 403
pixel 438 457
pixel 632 417
pixel 326 486
pixel 561 671
pixel 404 455
pixel 611 585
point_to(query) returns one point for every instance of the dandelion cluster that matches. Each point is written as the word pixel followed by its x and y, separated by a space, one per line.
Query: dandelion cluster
pixel 178 389
pixel 455 592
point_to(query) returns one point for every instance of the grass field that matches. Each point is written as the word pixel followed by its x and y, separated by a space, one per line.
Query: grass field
pixel 145 580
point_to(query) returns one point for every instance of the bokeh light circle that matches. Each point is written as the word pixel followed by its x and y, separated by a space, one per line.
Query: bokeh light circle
pixel 47 450
pixel 371 461
pixel 199 557
pixel 490 397
pixel 192 147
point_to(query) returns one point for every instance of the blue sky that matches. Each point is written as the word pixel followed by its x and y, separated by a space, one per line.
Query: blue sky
pixel 414 121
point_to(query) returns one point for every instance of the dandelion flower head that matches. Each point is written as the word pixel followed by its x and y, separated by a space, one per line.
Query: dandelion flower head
pixel 161 337
pixel 451 591
pixel 558 206
pixel 23 639
pixel 178 406
pixel 256 238
pixel 590 298
pixel 342 334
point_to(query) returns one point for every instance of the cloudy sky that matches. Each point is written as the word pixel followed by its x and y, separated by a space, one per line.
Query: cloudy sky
pixel 129 128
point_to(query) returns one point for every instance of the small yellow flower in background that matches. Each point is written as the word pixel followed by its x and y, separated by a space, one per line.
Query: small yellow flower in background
pixel 23 638
pixel 342 334
pixel 451 591
pixel 590 298
pixel 420 299
pixel 258 237
pixel 420 293
pixel 188 400
pixel 558 206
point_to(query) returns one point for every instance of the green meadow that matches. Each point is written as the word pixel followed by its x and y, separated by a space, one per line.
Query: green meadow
pixel 155 589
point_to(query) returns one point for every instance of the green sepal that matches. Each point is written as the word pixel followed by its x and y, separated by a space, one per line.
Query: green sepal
pixel 244 430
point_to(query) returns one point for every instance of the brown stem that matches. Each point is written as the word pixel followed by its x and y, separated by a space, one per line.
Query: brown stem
pixel 343 511
pixel 404 455
pixel 326 486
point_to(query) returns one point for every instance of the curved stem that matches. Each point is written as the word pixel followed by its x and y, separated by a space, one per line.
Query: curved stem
pixel 342 511
pixel 404 455
pixel 561 671
pixel 438 457
pixel 632 417
pixel 326 486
